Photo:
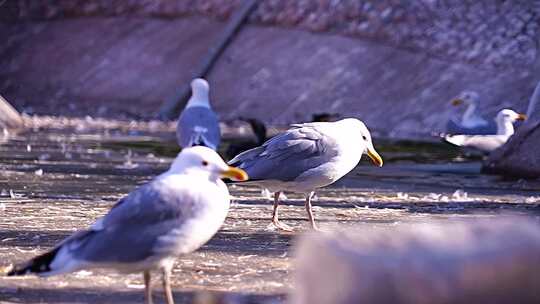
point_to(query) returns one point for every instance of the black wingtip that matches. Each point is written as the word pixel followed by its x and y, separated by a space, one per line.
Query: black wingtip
pixel 38 264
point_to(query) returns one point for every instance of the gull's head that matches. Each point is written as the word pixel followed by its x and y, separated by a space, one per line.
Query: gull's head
pixel 199 85
pixel 365 137
pixel 466 98
pixel 203 160
pixel 199 93
pixel 507 115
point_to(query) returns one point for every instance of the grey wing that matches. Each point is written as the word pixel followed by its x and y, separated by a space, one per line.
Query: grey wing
pixel 130 231
pixel 198 126
pixel 453 127
pixel 287 155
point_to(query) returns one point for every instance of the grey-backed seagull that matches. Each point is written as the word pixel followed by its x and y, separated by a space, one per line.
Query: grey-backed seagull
pixel 174 214
pixel 470 122
pixel 307 157
pixel 198 125
pixel 505 128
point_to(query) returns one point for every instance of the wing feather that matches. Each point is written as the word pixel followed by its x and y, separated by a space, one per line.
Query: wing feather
pixel 287 155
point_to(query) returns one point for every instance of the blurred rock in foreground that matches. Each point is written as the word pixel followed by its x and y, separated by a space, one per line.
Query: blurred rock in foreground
pixel 519 157
pixel 495 261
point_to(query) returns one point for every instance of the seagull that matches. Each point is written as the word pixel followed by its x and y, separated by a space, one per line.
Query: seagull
pixel 259 130
pixel 471 122
pixel 487 143
pixel 174 214
pixel 307 157
pixel 198 125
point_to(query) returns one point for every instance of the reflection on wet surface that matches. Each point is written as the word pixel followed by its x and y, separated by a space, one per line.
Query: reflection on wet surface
pixel 55 182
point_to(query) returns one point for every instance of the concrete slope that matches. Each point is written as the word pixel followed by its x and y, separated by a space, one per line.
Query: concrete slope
pixel 128 65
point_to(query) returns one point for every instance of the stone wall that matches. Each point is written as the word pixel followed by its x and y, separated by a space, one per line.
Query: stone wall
pixel 493 33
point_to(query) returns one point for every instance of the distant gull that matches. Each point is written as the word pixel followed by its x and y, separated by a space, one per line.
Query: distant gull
pixel 324 117
pixel 174 214
pixel 471 122
pixel 487 143
pixel 533 101
pixel 198 125
pixel 259 130
pixel 307 157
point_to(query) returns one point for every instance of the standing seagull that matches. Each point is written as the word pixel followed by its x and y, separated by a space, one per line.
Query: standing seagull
pixel 198 125
pixel 174 214
pixel 505 128
pixel 471 122
pixel 307 157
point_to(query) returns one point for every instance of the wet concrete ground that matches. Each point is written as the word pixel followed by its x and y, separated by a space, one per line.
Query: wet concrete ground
pixel 54 182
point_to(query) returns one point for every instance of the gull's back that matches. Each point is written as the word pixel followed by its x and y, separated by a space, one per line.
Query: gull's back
pixel 288 155
pixel 198 126
pixel 152 225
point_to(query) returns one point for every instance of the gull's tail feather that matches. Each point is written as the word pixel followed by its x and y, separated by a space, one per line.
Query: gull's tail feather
pixel 198 139
pixel 38 265
pixel 58 260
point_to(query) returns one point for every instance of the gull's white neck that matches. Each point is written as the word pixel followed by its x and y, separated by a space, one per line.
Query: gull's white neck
pixel 199 99
pixel 505 127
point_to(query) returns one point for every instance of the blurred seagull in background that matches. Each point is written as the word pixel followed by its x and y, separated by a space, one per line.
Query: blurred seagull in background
pixel 259 131
pixel 533 102
pixel 471 122
pixel 174 214
pixel 505 128
pixel 198 125
pixel 307 157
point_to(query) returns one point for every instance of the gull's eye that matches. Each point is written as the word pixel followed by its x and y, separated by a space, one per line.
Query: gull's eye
pixel 204 163
pixel 364 137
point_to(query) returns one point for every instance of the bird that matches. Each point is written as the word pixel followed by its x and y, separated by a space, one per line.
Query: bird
pixel 174 214
pixel 533 101
pixel 198 124
pixel 259 130
pixel 324 117
pixel 471 122
pixel 306 157
pixel 487 143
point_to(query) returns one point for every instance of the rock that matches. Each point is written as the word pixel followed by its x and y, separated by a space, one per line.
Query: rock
pixel 9 117
pixel 519 157
pixel 490 261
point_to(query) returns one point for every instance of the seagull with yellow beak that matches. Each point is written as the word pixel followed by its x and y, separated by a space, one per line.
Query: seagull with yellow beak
pixel 470 122
pixel 505 129
pixel 307 157
pixel 174 214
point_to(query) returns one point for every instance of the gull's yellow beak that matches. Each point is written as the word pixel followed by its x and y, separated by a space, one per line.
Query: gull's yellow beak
pixel 375 157
pixel 521 117
pixel 235 174
pixel 457 102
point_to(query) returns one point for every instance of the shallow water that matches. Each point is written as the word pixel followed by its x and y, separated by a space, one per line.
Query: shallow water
pixel 55 181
